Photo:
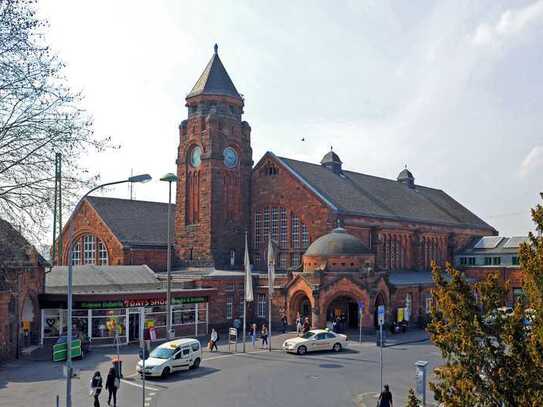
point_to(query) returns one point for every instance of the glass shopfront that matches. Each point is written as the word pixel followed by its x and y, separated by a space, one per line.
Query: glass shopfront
pixel 98 321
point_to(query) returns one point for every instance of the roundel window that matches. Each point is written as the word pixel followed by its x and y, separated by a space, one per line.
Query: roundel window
pixel 230 157
pixel 196 156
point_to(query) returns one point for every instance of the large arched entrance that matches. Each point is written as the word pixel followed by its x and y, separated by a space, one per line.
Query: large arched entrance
pixel 344 311
pixel 299 305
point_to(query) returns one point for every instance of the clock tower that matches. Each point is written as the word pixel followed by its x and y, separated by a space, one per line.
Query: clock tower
pixel 214 173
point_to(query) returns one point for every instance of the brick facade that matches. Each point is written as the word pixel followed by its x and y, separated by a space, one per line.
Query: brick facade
pixel 22 279
pixel 87 222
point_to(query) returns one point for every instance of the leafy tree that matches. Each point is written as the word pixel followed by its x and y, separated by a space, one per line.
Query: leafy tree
pixel 492 357
pixel 39 116
pixel 412 400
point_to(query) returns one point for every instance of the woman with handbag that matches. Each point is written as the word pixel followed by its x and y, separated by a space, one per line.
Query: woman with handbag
pixel 112 385
pixel 96 388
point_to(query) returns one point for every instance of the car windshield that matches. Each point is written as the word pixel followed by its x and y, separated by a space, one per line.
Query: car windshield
pixel 161 353
pixel 308 335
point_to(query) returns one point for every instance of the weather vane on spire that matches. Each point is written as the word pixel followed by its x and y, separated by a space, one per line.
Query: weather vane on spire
pixel 216 48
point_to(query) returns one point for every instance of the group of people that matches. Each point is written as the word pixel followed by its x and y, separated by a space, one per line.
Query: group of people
pixel 112 385
pixel 253 333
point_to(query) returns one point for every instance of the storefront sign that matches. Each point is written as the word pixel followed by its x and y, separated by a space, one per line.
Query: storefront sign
pixel 137 302
pixel 98 304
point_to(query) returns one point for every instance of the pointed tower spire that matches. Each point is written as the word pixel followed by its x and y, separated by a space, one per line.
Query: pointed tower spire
pixel 214 80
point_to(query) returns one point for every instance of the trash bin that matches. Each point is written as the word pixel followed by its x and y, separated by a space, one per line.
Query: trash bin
pixel 118 366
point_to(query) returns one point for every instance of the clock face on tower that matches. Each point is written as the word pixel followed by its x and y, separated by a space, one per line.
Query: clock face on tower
pixel 230 157
pixel 196 156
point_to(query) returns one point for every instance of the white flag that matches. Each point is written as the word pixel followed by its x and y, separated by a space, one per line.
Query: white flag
pixel 248 277
pixel 271 263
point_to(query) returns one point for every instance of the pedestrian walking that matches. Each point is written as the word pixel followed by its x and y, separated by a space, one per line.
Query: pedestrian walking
pixel 306 327
pixel 96 388
pixel 284 321
pixel 299 324
pixel 112 385
pixel 264 334
pixel 385 398
pixel 253 335
pixel 213 340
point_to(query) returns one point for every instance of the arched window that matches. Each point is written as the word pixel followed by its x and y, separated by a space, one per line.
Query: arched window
pixel 76 253
pixel 89 249
pixel 286 229
pixel 193 198
pixel 102 254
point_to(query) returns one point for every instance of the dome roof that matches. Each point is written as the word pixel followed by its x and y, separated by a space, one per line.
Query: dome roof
pixel 405 174
pixel 330 157
pixel 337 243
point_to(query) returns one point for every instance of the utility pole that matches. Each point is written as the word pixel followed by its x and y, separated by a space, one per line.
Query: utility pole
pixel 57 212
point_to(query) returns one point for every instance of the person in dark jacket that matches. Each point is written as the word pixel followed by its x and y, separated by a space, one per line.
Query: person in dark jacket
pixel 112 385
pixel 385 399
pixel 96 388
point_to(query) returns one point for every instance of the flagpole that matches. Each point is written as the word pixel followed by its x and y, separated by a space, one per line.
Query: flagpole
pixel 271 275
pixel 270 292
pixel 245 302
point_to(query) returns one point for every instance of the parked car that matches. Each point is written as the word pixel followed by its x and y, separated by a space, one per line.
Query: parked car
pixel 172 356
pixel 315 340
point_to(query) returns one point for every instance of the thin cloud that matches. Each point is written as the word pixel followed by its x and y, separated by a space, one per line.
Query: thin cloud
pixel 510 23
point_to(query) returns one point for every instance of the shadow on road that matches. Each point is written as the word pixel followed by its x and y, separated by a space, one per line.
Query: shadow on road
pixel 181 376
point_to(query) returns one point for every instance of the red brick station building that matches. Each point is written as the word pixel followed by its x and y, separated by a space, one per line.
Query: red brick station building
pixel 344 238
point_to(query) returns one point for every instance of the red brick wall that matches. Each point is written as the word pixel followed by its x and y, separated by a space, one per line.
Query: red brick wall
pixel 283 190
pixel 155 258
pixel 514 275
pixel 87 221
pixel 209 241
pixel 30 284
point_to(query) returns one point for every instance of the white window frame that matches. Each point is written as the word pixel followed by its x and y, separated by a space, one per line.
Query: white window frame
pixel 76 253
pixel 295 232
pixel 103 259
pixel 283 229
pixel 89 249
pixel 229 306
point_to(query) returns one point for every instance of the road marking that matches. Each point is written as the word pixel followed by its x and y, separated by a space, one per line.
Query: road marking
pixel 148 398
pixel 139 385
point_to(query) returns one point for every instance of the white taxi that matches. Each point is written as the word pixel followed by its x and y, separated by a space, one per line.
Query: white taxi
pixel 172 356
pixel 314 340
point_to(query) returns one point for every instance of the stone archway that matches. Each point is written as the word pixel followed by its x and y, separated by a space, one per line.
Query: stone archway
pixel 299 303
pixel 343 309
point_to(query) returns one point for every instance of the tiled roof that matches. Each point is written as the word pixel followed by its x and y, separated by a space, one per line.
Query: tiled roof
pixel 136 223
pixel 15 250
pixel 366 195
pixel 214 80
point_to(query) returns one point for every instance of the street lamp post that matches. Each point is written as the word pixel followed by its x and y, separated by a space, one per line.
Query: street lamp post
pixel 169 178
pixel 135 178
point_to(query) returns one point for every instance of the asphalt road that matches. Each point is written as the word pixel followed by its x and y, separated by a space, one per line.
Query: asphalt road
pixel 257 378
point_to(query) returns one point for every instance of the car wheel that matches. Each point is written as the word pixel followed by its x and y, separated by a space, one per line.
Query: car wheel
pixel 165 372
pixel 196 364
pixel 301 350
pixel 337 347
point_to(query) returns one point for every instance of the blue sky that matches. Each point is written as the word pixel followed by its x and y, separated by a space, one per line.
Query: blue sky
pixel 453 89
